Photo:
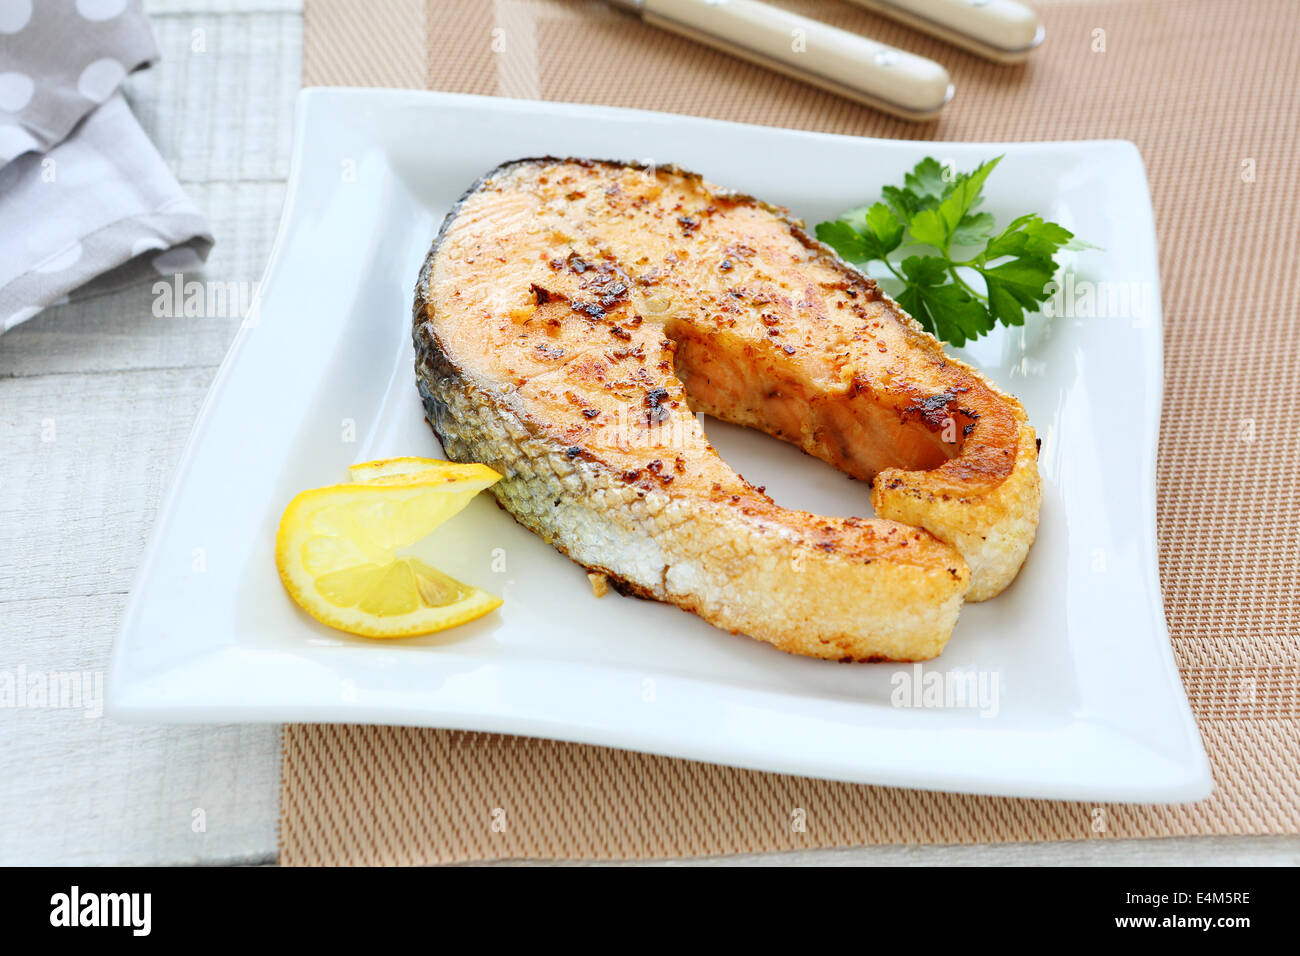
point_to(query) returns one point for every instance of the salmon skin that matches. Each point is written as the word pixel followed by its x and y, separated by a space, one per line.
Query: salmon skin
pixel 573 315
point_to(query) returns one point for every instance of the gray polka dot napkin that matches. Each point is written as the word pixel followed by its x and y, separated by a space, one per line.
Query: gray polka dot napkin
pixel 86 202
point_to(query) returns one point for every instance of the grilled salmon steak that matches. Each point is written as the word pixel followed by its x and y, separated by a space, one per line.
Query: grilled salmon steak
pixel 572 317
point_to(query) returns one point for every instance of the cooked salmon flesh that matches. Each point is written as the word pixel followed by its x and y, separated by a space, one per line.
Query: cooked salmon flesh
pixel 572 318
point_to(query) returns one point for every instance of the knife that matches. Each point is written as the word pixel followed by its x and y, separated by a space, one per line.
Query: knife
pixel 893 81
pixel 1000 30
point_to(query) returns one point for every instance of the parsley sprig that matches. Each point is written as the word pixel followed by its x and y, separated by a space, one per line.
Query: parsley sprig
pixel 938 209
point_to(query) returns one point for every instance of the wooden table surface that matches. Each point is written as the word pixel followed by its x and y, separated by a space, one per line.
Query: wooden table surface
pixel 96 403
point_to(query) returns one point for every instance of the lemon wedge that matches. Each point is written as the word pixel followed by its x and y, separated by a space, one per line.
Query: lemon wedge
pixel 338 547
pixel 388 471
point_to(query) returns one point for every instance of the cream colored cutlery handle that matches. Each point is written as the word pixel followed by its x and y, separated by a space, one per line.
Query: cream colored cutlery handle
pixel 1002 25
pixel 834 59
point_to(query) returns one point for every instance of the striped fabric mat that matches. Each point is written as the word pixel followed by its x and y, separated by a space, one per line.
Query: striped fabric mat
pixel 1210 92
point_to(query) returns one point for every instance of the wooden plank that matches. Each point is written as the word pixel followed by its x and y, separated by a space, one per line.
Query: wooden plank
pixel 85 460
pixel 96 402
pixel 80 788
pixel 219 103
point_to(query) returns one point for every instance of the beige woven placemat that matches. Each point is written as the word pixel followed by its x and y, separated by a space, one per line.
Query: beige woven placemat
pixel 1208 90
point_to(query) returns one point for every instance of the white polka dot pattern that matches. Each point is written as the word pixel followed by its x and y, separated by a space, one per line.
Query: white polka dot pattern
pixel 14 141
pixel 96 206
pixel 15 91
pixel 99 80
pixel 14 15
pixel 101 9
pixel 59 59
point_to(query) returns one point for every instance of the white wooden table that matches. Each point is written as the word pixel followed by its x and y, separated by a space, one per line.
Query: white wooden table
pixel 96 402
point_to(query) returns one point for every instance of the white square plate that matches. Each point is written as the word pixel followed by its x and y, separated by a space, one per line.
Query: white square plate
pixel 1084 700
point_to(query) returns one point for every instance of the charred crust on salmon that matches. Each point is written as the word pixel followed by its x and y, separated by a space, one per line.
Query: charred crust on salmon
pixel 566 367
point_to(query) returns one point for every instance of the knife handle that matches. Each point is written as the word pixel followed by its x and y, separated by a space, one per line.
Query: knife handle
pixel 897 82
pixel 1001 30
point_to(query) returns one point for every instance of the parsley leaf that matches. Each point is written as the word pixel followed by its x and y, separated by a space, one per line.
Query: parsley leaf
pixel 847 241
pixel 861 235
pixel 885 226
pixel 939 208
pixel 945 310
pixel 927 179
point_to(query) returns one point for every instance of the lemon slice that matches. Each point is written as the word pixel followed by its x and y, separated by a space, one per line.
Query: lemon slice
pixel 389 471
pixel 337 551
